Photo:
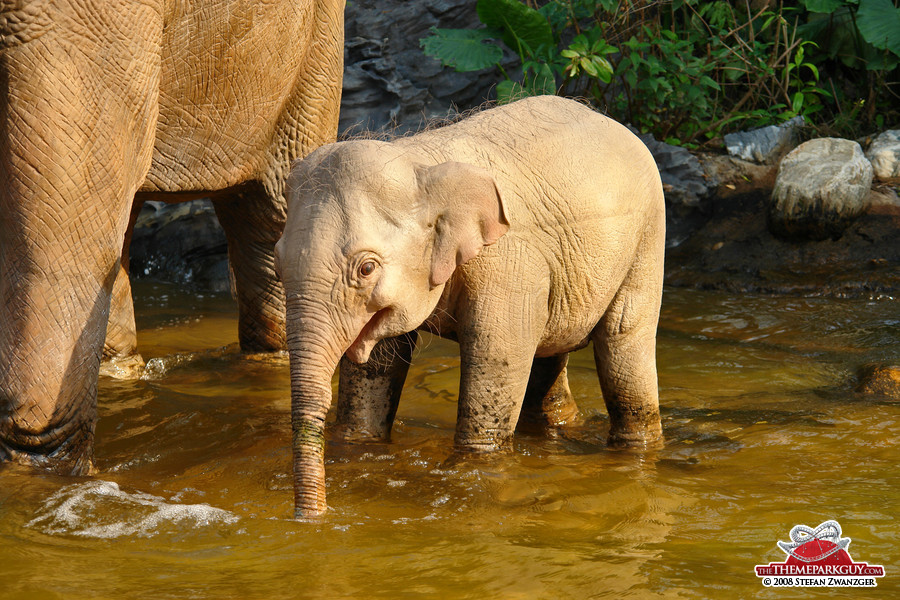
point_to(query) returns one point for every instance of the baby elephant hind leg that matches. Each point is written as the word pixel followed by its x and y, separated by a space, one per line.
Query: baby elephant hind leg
pixel 368 394
pixel 548 404
pixel 625 354
pixel 626 365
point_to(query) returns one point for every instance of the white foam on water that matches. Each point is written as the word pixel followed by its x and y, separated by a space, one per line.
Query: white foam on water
pixel 159 367
pixel 100 509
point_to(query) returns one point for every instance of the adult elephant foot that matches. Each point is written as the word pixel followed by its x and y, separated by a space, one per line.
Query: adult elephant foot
pixel 120 359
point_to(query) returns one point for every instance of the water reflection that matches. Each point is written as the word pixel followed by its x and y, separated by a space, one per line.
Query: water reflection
pixel 193 496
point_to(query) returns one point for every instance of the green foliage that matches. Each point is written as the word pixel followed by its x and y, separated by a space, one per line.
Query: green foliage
pixel 522 28
pixel 588 53
pixel 879 24
pixel 688 70
pixel 463 49
pixel 859 54
pixel 862 34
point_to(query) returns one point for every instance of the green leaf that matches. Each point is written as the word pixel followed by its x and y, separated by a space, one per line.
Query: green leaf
pixel 879 24
pixel 797 102
pixel 543 81
pixel 823 6
pixel 709 82
pixel 524 29
pixel 589 67
pixel 508 90
pixel 462 49
pixel 812 68
pixel 604 69
pixel 631 78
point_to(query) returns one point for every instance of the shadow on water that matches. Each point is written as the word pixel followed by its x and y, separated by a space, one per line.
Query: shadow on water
pixel 193 497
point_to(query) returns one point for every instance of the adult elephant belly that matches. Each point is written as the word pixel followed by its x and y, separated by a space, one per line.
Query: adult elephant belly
pixel 231 86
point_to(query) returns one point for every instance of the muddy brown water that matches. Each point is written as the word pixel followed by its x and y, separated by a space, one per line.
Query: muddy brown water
pixel 193 497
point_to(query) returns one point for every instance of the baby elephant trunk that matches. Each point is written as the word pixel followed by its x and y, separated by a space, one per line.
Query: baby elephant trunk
pixel 314 357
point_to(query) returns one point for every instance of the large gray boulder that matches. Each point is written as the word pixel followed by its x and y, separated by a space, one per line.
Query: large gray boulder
pixel 821 186
pixel 884 154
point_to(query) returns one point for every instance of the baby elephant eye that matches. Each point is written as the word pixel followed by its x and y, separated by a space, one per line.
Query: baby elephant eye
pixel 367 268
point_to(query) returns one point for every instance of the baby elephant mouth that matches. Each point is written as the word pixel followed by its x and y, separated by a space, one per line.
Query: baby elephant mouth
pixel 361 347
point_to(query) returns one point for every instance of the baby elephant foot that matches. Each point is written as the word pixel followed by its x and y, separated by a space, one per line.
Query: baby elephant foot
pixel 635 427
pixel 483 442
pixel 551 418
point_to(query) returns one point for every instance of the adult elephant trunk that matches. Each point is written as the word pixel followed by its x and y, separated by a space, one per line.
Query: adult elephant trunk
pixel 315 348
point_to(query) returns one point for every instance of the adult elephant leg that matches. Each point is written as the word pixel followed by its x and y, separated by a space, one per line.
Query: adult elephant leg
pixel 120 353
pixel 77 117
pixel 253 221
pixel 368 394
pixel 548 403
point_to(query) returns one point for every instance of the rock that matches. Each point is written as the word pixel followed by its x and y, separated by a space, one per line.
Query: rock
pixel 684 180
pixel 882 380
pixel 766 144
pixel 685 183
pixel 821 186
pixel 181 243
pixel 734 251
pixel 389 83
pixel 884 154
pixel 736 176
pixel 883 199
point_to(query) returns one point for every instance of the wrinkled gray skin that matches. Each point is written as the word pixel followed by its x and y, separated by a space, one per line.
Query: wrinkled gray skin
pixel 166 99
pixel 523 232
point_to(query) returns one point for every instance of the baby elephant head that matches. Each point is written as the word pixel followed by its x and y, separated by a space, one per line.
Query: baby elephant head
pixel 374 231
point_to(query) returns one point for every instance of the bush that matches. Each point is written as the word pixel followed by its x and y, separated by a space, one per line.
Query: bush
pixel 690 70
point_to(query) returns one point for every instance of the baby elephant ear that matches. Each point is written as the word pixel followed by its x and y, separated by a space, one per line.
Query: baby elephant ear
pixel 466 209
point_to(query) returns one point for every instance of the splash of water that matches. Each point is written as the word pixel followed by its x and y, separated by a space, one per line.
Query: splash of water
pixel 100 509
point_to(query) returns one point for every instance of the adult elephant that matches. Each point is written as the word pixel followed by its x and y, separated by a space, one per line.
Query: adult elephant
pixel 101 101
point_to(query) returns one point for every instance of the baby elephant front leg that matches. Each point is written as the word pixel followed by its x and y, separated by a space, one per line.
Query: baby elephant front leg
pixel 368 394
pixel 490 399
pixel 497 346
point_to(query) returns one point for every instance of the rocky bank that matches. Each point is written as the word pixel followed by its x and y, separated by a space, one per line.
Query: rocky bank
pixel 720 233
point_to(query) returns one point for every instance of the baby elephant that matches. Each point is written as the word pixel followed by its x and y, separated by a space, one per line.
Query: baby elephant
pixel 523 232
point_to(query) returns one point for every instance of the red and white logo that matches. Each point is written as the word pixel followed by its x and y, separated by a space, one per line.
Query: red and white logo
pixel 818 558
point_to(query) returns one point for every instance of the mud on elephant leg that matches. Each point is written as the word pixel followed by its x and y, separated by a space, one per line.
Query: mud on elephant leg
pixel 548 404
pixel 253 221
pixel 368 394
pixel 120 354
